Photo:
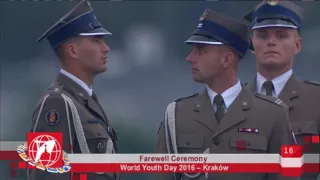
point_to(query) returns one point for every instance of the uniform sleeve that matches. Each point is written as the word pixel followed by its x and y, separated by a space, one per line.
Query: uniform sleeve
pixel 162 148
pixel 52 118
pixel 281 135
pixel 161 142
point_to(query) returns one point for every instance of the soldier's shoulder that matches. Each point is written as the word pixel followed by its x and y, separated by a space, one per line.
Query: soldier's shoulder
pixel 55 89
pixel 51 98
pixel 310 89
pixel 312 83
pixel 245 84
pixel 270 99
pixel 53 92
pixel 182 99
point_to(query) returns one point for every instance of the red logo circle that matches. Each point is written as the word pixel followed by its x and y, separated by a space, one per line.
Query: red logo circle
pixel 44 150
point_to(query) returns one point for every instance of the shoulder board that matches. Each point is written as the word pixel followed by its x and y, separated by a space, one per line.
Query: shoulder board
pixel 244 84
pixel 54 89
pixel 312 82
pixel 183 98
pixel 274 100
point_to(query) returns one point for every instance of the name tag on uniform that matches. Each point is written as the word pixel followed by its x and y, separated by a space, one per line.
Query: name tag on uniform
pixel 248 130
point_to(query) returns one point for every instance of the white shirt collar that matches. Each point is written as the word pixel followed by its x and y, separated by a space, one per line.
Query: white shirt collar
pixel 278 83
pixel 228 95
pixel 78 81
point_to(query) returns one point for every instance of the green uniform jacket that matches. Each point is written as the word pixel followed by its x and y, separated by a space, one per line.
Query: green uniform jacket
pixel 303 101
pixel 53 118
pixel 197 130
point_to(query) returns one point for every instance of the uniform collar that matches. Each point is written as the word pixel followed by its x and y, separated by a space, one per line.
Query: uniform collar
pixel 278 83
pixel 78 81
pixel 228 95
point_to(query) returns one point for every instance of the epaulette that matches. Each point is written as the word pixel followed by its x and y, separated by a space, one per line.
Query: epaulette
pixel 272 99
pixel 187 97
pixel 312 82
pixel 244 84
pixel 54 89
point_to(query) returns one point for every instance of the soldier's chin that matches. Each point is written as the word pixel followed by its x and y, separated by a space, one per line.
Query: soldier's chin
pixel 271 64
pixel 198 79
pixel 100 70
pixel 104 69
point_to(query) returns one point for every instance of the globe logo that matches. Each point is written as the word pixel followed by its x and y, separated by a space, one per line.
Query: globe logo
pixel 44 151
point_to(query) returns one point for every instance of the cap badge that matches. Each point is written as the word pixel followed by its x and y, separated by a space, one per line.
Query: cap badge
pixel 272 2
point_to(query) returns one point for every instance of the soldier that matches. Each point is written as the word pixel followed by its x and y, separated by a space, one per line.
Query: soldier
pixel 224 114
pixel 69 105
pixel 276 40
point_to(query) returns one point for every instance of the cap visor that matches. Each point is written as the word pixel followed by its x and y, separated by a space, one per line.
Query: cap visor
pixel 96 32
pixel 273 23
pixel 198 39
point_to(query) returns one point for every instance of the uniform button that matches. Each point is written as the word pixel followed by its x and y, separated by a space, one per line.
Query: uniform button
pixel 100 147
pixel 187 143
pixel 99 134
pixel 299 130
pixel 248 144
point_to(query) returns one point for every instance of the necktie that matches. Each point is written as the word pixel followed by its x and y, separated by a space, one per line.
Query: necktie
pixel 268 86
pixel 218 100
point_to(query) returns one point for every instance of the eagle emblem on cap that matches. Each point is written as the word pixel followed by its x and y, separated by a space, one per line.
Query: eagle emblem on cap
pixel 272 2
pixel 204 15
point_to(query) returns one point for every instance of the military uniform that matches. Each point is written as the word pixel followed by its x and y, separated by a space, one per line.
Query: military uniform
pixel 301 97
pixel 191 126
pixel 197 130
pixel 67 107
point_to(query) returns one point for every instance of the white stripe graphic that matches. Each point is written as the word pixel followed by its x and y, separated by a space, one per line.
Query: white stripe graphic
pixel 10 145
pixel 291 162
pixel 311 158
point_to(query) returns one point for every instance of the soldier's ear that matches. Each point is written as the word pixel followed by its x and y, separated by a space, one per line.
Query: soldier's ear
pixel 227 59
pixel 298 45
pixel 72 50
pixel 72 47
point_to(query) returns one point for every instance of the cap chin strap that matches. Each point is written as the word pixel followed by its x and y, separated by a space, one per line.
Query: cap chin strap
pixel 171 139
